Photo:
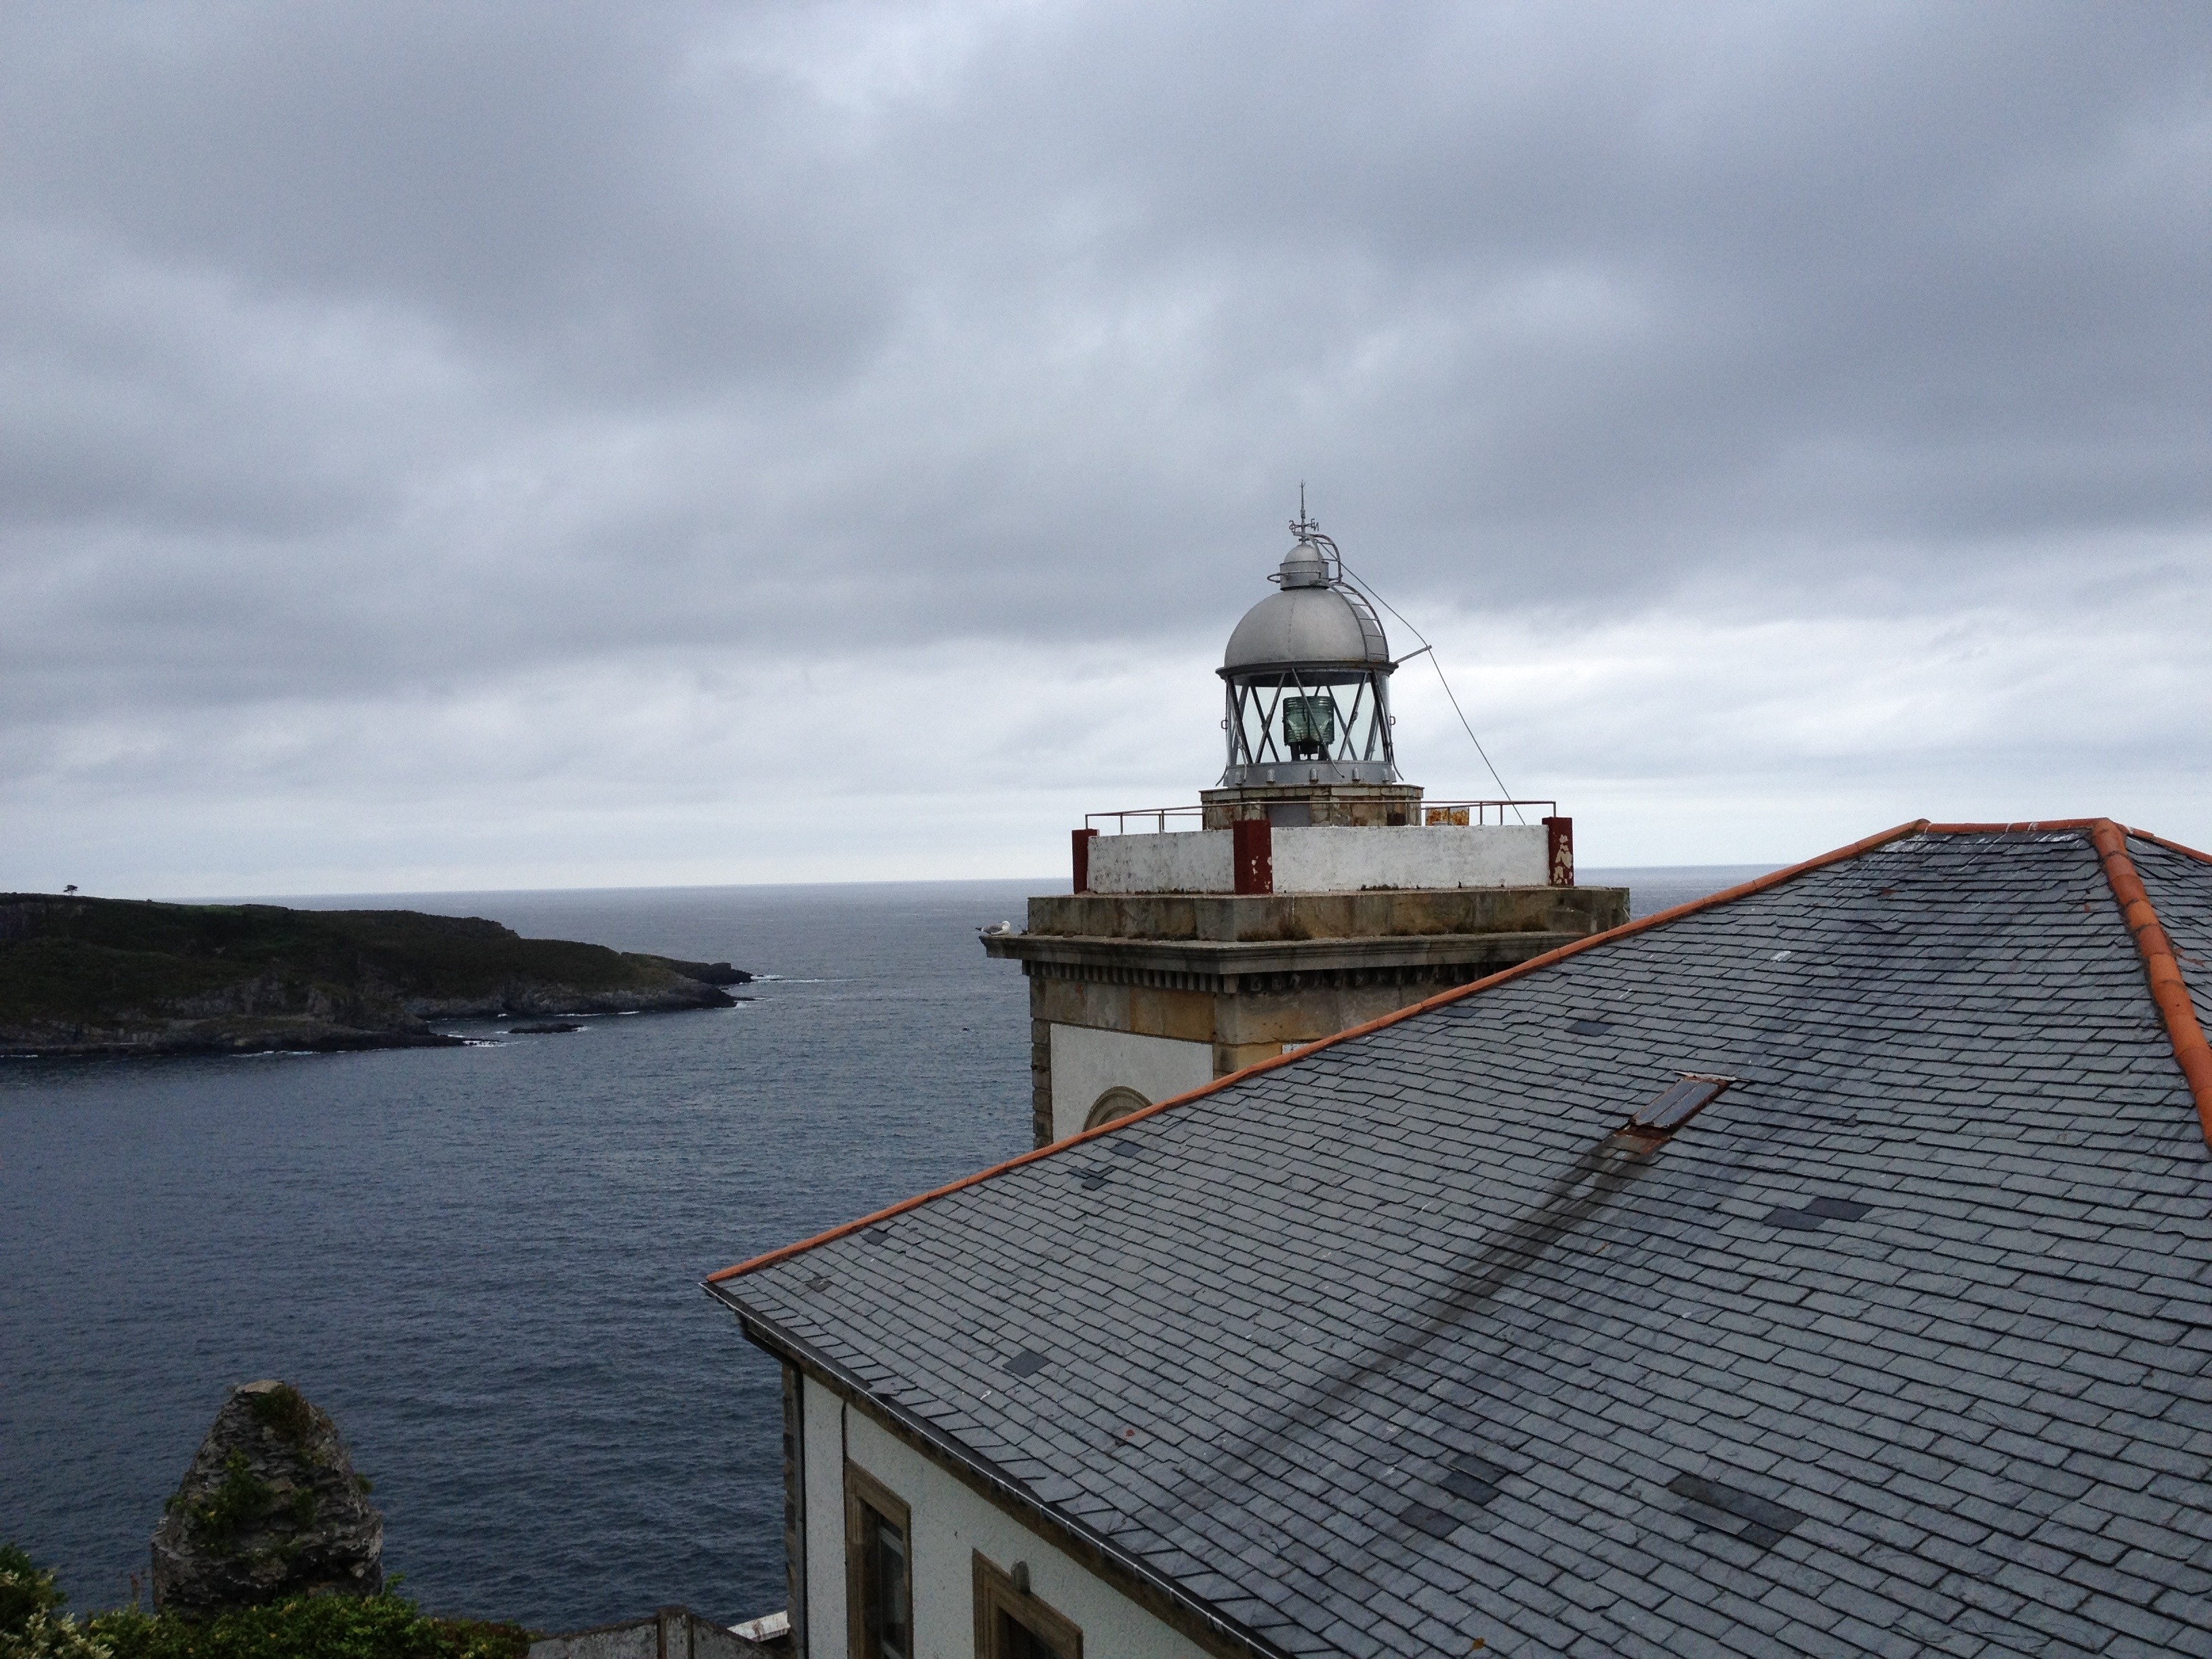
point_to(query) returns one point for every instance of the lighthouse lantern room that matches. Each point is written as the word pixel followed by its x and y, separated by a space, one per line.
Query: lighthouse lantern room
pixel 1306 677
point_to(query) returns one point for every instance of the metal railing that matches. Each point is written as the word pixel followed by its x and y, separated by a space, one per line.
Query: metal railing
pixel 1478 811
pixel 1160 813
pixel 1471 813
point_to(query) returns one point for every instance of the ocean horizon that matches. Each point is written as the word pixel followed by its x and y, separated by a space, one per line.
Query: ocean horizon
pixel 1692 878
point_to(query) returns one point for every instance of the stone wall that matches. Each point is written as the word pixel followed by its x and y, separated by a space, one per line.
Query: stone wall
pixel 671 1633
pixel 1292 917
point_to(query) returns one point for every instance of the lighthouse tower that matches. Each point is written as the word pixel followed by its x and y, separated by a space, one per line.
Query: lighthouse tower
pixel 1311 889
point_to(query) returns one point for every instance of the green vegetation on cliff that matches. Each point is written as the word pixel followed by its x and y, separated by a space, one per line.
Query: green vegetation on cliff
pixel 32 1626
pixel 83 975
pixel 313 1627
pixel 32 1623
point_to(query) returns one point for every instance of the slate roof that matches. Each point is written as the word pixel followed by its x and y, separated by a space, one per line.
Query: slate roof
pixel 1902 1346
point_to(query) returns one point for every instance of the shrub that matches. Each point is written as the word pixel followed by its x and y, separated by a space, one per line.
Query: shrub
pixel 240 1498
pixel 25 1592
pixel 284 1410
pixel 32 1623
pixel 312 1627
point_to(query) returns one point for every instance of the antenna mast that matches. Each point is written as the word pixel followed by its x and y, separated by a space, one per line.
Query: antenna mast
pixel 1309 530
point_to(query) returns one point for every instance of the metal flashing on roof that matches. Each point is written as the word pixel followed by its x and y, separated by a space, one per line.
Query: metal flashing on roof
pixel 1681 1102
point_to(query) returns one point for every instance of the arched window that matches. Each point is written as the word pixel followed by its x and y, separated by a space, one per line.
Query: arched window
pixel 1117 1101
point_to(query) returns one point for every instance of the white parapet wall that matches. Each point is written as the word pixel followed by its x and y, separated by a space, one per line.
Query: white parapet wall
pixel 1326 858
pixel 1181 861
pixel 1332 858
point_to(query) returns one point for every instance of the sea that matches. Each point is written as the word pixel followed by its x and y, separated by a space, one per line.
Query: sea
pixel 485 1261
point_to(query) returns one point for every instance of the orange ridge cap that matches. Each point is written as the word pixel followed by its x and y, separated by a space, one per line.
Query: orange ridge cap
pixel 1658 918
pixel 2014 829
pixel 2167 987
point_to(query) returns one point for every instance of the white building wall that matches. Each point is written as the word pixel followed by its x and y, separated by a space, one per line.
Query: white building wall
pixel 823 1427
pixel 950 1522
pixel 1335 858
pixel 1327 858
pixel 1181 861
pixel 1086 1063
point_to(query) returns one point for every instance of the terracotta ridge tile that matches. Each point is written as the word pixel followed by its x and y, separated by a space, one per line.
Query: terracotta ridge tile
pixel 2167 987
pixel 2012 829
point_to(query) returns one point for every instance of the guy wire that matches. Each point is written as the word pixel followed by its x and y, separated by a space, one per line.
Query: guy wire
pixel 1436 663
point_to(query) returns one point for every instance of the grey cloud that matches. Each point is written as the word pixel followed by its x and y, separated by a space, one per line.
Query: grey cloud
pixel 364 353
pixel 550 182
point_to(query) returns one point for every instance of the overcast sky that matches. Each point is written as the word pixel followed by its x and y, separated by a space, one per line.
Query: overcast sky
pixel 466 447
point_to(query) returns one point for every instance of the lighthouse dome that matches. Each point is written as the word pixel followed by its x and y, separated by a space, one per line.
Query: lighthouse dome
pixel 1307 675
pixel 1312 621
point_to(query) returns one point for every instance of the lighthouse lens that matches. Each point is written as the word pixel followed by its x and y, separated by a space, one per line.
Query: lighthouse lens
pixel 1308 726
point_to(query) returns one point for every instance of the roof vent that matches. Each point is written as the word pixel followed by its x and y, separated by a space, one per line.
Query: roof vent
pixel 1697 1091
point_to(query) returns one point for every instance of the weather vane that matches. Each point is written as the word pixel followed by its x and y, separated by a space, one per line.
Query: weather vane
pixel 1302 526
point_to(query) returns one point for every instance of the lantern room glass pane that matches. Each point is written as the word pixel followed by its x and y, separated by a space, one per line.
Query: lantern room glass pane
pixel 1282 719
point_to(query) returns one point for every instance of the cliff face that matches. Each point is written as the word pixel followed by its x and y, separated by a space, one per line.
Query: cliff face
pixel 88 975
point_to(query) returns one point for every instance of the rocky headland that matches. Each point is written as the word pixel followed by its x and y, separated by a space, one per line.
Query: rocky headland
pixel 101 976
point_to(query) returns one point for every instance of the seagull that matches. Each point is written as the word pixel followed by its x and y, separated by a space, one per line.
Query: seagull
pixel 996 930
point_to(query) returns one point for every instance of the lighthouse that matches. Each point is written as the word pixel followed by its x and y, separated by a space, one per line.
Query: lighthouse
pixel 1310 890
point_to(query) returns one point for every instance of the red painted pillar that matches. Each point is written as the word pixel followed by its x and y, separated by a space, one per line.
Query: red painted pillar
pixel 1560 851
pixel 1083 838
pixel 1252 846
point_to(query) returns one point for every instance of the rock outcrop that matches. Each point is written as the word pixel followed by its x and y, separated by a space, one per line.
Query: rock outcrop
pixel 84 975
pixel 707 973
pixel 270 1509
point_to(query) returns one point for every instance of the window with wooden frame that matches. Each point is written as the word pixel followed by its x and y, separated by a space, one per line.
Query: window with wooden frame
pixel 879 1569
pixel 1013 1624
